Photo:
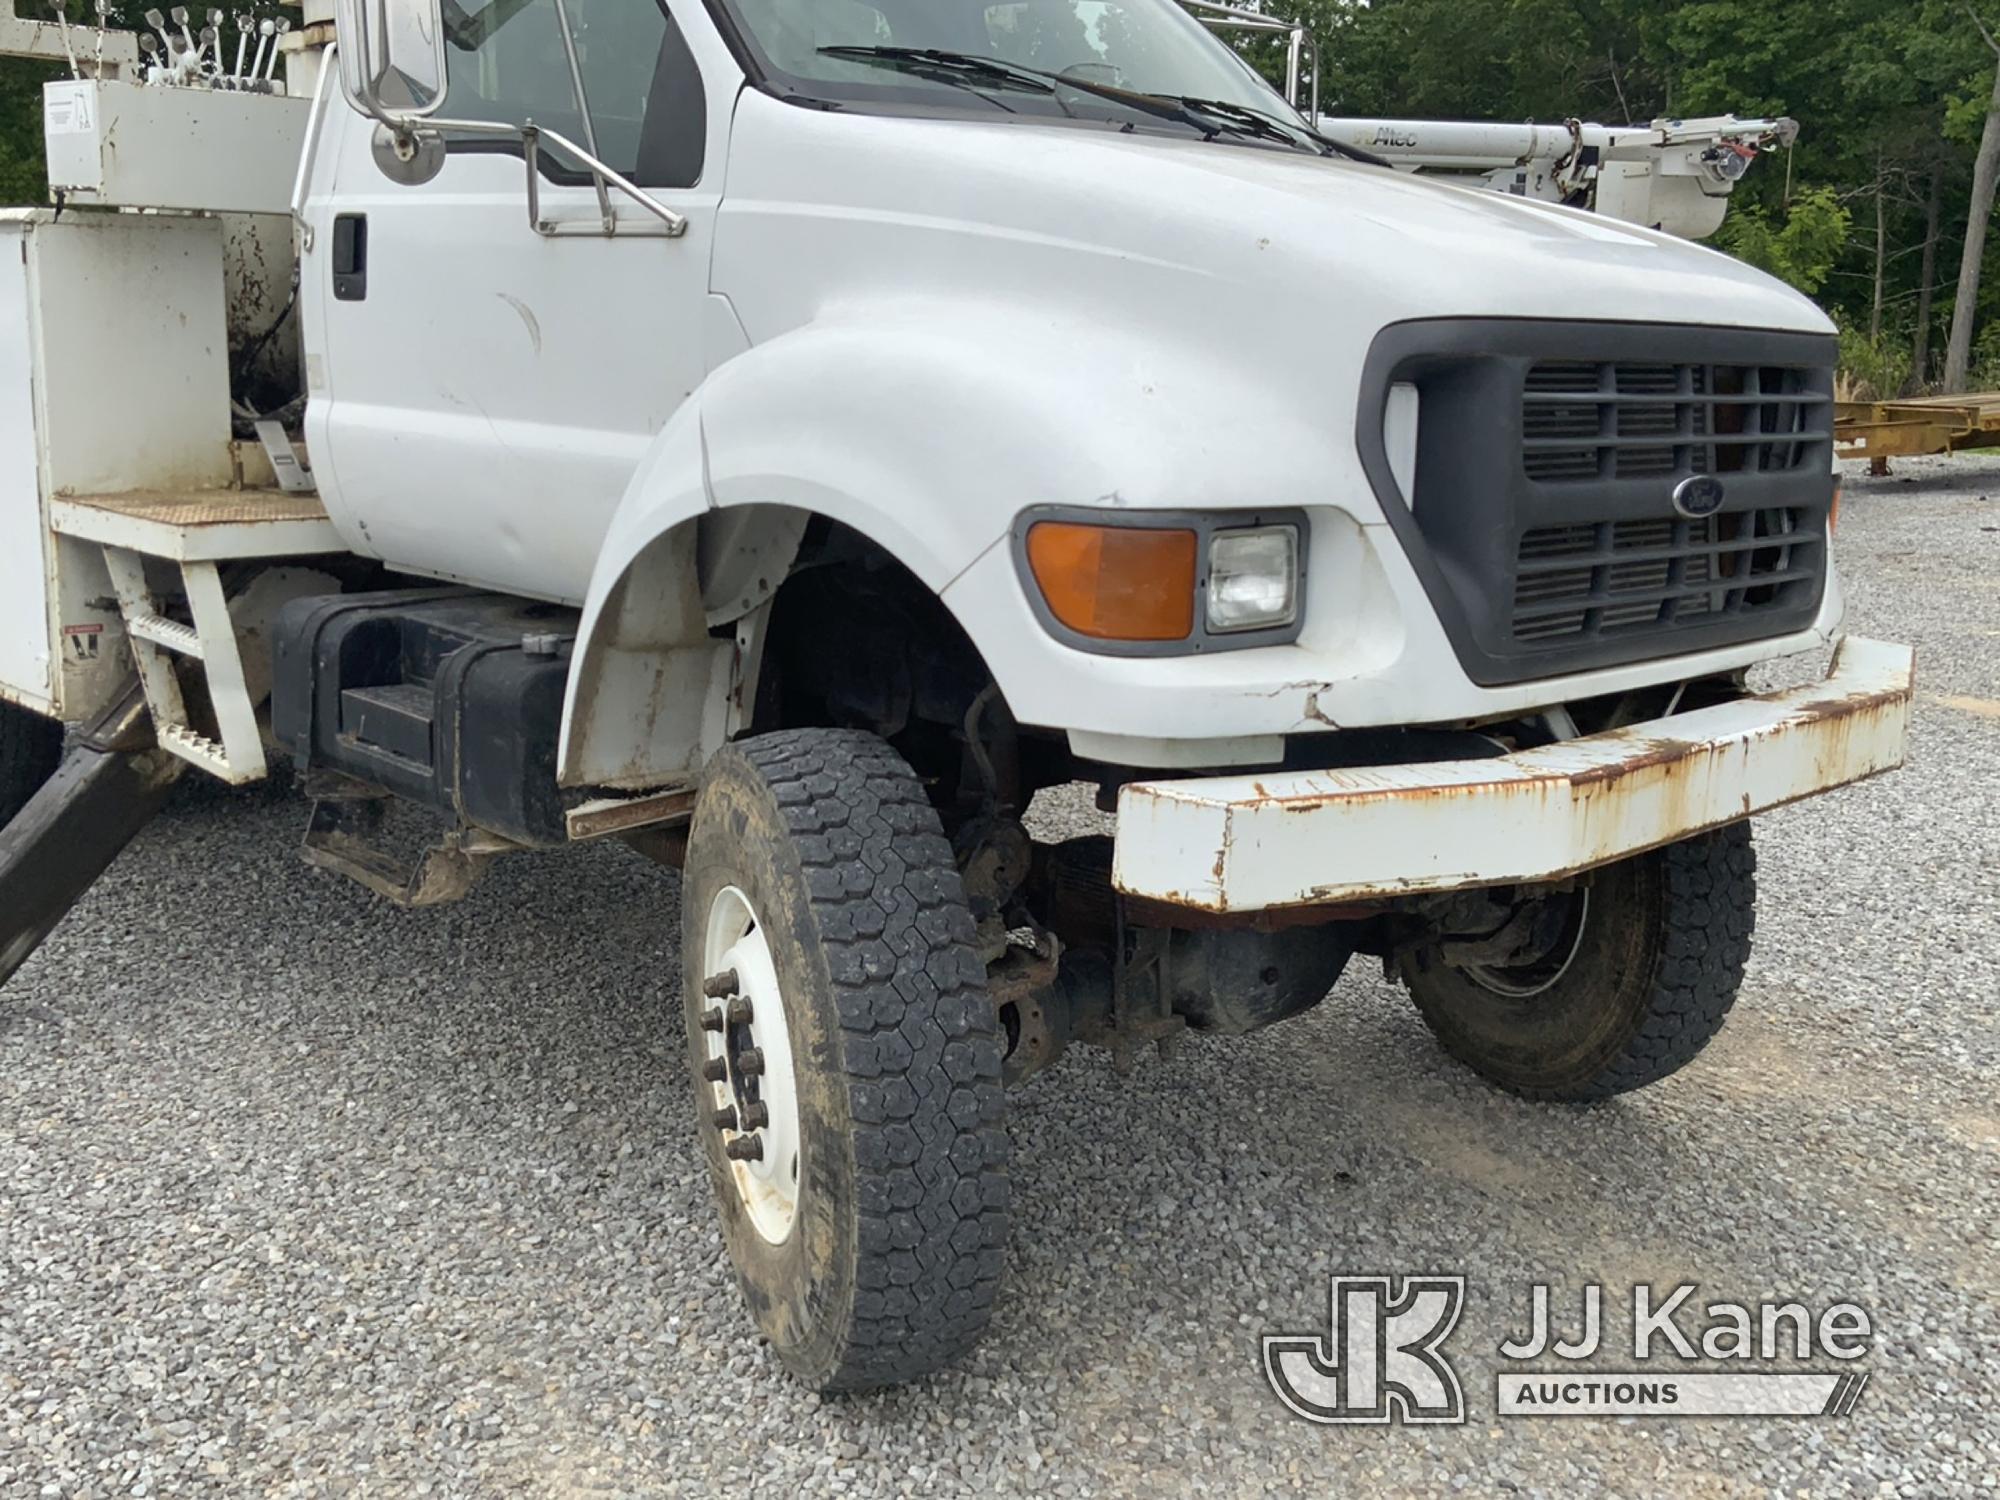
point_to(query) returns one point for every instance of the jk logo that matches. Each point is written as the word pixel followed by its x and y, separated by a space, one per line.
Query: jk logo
pixel 1379 1360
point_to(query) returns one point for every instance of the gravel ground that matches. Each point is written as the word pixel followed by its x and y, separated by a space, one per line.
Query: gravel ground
pixel 300 1194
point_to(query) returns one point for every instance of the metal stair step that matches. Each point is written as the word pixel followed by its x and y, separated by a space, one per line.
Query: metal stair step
pixel 196 749
pixel 237 755
pixel 161 631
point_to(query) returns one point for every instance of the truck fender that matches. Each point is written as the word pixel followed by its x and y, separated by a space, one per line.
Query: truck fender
pixel 648 685
pixel 926 431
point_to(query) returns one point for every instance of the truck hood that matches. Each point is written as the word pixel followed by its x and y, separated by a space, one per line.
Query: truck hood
pixel 1520 254
pixel 1295 227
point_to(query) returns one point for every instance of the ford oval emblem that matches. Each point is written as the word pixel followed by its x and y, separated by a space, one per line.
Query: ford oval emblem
pixel 1699 496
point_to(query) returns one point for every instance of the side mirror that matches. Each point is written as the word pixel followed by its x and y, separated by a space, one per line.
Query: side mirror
pixel 392 68
pixel 392 58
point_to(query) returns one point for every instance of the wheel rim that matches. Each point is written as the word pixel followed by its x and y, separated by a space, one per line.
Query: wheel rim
pixel 747 1077
pixel 1535 973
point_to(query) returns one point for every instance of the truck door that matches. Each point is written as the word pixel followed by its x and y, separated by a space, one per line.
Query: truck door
pixel 480 393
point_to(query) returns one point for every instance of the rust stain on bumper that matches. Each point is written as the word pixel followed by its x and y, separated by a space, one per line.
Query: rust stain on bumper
pixel 1230 845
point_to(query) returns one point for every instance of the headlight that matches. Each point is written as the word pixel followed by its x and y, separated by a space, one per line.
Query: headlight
pixel 1163 583
pixel 1253 579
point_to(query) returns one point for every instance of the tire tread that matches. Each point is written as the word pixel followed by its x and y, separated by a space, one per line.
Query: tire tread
pixel 920 1044
pixel 1706 915
pixel 1710 898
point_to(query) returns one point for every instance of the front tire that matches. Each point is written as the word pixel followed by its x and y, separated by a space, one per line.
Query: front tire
pixel 30 750
pixel 846 1058
pixel 1633 980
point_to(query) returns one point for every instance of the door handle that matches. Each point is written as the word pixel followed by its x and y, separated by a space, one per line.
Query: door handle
pixel 350 257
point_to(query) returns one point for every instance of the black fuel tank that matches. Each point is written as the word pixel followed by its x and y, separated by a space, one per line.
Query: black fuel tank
pixel 443 696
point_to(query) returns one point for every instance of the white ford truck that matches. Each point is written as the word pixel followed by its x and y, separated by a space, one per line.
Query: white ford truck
pixel 788 436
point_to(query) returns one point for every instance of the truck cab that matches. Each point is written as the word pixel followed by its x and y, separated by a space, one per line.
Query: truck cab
pixel 790 437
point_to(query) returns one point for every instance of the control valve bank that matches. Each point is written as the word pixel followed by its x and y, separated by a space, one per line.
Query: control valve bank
pixel 788 438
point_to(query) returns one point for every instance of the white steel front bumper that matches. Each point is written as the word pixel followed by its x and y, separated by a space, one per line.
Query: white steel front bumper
pixel 1241 843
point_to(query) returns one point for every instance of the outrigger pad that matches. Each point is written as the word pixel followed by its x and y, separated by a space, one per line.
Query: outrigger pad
pixel 108 787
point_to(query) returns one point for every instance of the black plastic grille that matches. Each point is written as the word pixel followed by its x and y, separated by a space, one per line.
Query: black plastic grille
pixel 1583 420
pixel 1623 578
pixel 1540 513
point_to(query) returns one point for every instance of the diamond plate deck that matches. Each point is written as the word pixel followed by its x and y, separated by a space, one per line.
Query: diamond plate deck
pixel 200 525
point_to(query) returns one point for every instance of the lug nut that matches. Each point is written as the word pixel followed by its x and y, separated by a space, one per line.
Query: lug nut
pixel 715 1070
pixel 743 1148
pixel 724 1118
pixel 739 1012
pixel 756 1115
pixel 711 1019
pixel 750 1062
pixel 719 986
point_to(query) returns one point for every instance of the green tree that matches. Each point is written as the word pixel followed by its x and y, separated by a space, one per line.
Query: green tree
pixel 1802 247
pixel 24 175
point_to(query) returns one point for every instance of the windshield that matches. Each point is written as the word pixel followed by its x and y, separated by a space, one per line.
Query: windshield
pixel 1145 46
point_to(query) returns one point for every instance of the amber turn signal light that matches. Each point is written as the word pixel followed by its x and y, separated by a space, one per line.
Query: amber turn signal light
pixel 1116 583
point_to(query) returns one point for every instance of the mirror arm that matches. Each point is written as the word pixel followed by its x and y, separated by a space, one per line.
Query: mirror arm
pixel 583 114
pixel 531 137
pixel 329 61
pixel 531 153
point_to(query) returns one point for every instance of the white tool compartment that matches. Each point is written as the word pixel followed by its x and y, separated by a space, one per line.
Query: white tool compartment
pixel 114 377
pixel 130 146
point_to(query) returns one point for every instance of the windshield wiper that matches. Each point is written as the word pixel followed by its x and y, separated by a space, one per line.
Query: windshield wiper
pixel 1238 119
pixel 950 67
pixel 963 67
pixel 1211 117
pixel 1255 122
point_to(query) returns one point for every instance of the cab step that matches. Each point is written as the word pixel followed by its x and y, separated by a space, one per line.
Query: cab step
pixel 343 835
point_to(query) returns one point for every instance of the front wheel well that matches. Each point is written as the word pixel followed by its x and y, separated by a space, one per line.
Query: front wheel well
pixel 858 641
